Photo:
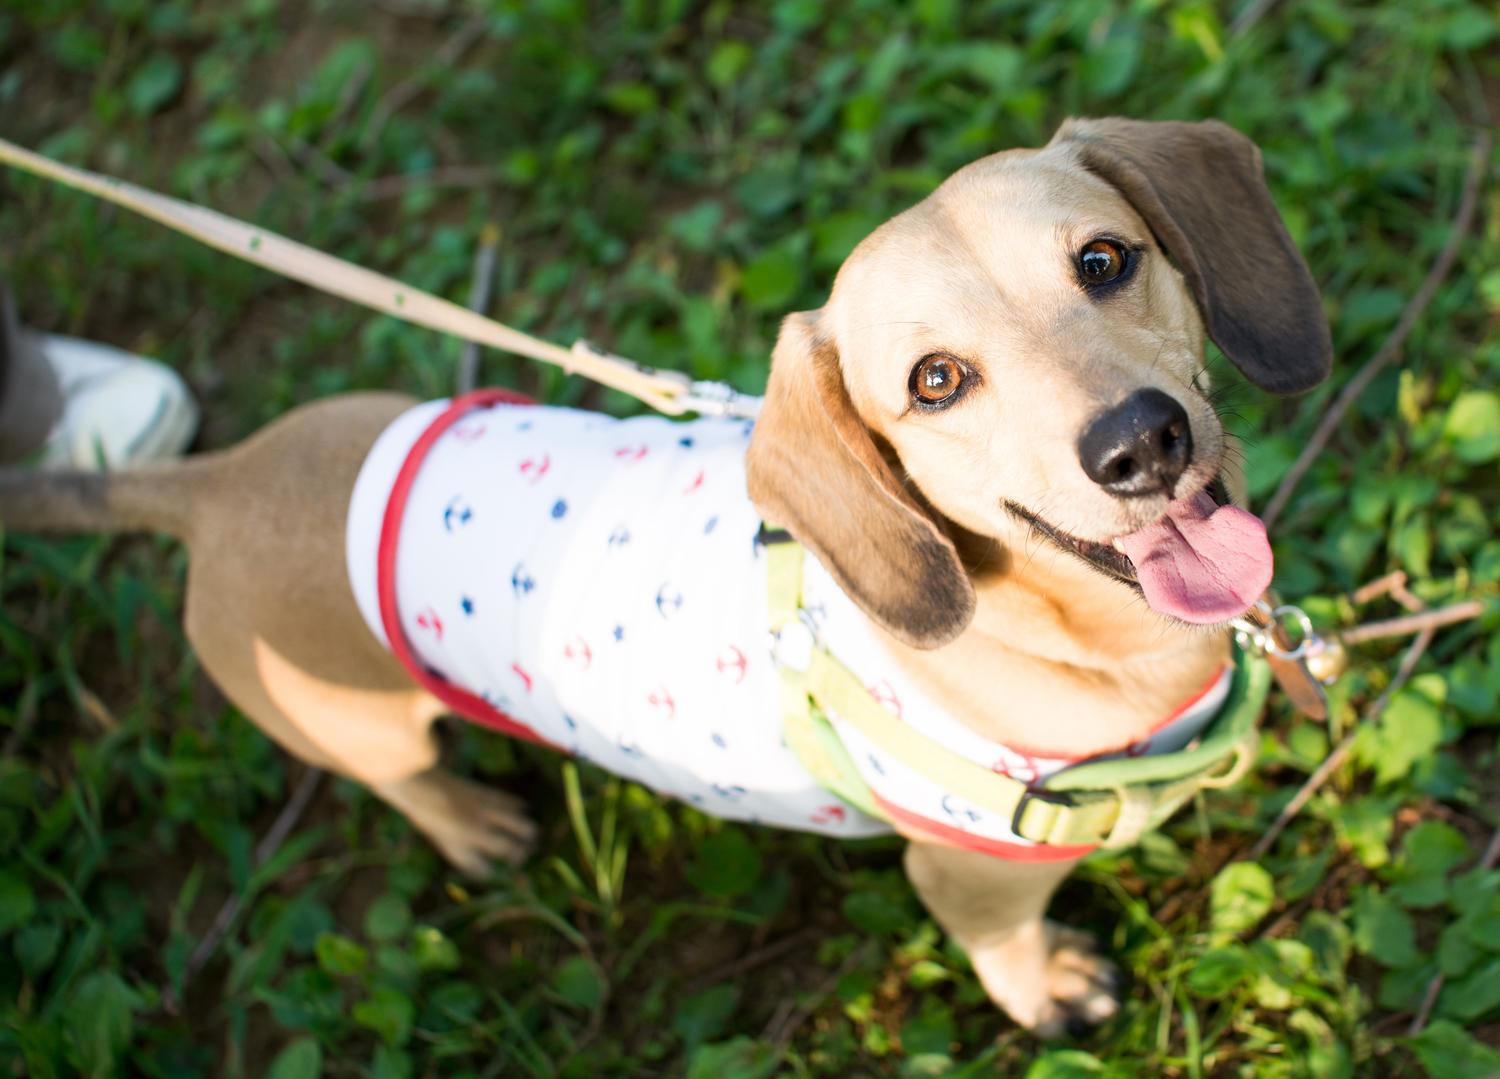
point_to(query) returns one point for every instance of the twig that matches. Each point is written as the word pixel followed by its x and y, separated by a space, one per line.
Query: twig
pixel 1380 586
pixel 392 187
pixel 1478 163
pixel 397 97
pixel 1413 623
pixel 746 963
pixel 1253 13
pixel 1341 752
pixel 270 843
pixel 479 301
pixel 1434 987
pixel 784 1024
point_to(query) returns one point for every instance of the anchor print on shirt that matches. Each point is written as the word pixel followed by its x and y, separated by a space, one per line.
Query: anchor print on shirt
pixel 886 697
pixel 521 582
pixel 732 664
pixel 660 699
pixel 457 513
pixel 579 652
pixel 534 468
pixel 1018 765
pixel 828 814
pixel 668 600
pixel 631 454
pixel 960 812
pixel 427 619
pixel 469 431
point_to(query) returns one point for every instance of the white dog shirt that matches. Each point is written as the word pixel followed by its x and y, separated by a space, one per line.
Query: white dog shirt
pixel 599 585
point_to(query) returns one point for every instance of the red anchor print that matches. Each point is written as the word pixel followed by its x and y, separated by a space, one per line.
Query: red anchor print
pixel 828 815
pixel 534 468
pixel 886 697
pixel 732 664
pixel 697 483
pixel 631 454
pixel 660 699
pixel 579 651
pixel 1024 767
pixel 471 431
pixel 428 619
pixel 520 672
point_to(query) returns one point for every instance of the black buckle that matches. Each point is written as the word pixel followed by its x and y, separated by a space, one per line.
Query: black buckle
pixel 1040 794
pixel 768 536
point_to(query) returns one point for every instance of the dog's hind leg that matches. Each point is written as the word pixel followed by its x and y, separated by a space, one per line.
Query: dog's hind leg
pixel 1049 978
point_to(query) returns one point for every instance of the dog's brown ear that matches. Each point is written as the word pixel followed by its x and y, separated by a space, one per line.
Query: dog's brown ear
pixel 814 469
pixel 1200 188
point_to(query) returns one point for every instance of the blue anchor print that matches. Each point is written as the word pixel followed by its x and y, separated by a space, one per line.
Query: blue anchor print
pixel 521 582
pixel 630 749
pixel 570 721
pixel 710 524
pixel 524 425
pixel 958 811
pixel 466 605
pixel 619 537
pixel 618 633
pixel 875 764
pixel 559 509
pixel 685 442
pixel 457 512
pixel 734 792
pixel 668 600
pixel 719 741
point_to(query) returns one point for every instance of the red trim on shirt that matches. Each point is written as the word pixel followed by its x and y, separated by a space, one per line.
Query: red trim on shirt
pixel 461 701
pixel 957 837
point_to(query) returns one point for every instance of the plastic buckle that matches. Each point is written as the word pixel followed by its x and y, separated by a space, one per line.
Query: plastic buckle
pixel 1057 799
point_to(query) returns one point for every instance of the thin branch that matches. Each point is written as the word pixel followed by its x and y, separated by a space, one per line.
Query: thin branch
pixel 393 187
pixel 1413 623
pixel 399 96
pixel 479 301
pixel 1434 987
pixel 270 843
pixel 1462 220
pixel 1253 13
pixel 746 963
pixel 1341 752
pixel 784 1024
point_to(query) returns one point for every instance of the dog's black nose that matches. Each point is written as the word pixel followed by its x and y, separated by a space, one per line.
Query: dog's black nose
pixel 1139 447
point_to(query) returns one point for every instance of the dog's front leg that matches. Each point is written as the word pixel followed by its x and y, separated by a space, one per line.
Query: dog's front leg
pixel 1049 978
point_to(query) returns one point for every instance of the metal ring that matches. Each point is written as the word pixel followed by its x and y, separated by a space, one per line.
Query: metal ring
pixel 1309 642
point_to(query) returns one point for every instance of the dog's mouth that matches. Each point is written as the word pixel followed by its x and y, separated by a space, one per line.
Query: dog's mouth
pixel 1204 561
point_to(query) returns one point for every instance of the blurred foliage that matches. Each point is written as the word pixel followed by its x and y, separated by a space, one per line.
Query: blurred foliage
pixel 671 177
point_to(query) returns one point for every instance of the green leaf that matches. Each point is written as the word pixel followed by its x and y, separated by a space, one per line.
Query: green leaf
pixel 339 955
pixel 773 277
pixel 631 98
pixel 1428 852
pixel 1446 1050
pixel 726 62
pixel 727 864
pixel 1473 426
pixel 36 947
pixel 302 1059
pixel 1065 1064
pixel 101 1021
pixel 1108 69
pixel 578 981
pixel 1410 730
pixel 432 950
pixel 388 1012
pixel 154 84
pixel 704 1015
pixel 17 903
pixel 1382 930
pixel 1240 896
pixel 738 1058
pixel 1474 994
pixel 1218 971
pixel 875 913
pixel 387 918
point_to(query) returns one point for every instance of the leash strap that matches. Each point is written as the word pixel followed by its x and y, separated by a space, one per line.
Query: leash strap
pixel 669 392
pixel 1110 803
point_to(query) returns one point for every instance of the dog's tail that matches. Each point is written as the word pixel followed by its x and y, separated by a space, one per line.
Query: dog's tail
pixel 154 498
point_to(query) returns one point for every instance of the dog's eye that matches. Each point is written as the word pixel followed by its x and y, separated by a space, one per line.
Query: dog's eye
pixel 1101 261
pixel 935 380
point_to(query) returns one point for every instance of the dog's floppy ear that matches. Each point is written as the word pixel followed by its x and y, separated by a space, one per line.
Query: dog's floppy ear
pixel 814 469
pixel 1199 187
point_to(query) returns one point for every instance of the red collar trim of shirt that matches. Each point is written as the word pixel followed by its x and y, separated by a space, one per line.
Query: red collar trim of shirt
pixel 461 701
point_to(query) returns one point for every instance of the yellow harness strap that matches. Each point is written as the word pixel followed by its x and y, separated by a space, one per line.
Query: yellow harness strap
pixel 1109 802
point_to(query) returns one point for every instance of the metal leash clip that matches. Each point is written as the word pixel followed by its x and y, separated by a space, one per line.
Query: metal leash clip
pixel 1302 660
pixel 683 393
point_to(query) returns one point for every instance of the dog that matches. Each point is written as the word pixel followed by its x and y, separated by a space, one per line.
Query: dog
pixel 995 442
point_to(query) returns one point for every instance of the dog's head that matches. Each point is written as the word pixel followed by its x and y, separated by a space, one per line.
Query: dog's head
pixel 1022 352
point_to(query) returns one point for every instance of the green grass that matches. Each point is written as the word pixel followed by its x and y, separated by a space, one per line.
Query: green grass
pixel 671 178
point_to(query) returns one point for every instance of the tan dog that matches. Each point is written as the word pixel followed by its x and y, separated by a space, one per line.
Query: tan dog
pixel 1004 393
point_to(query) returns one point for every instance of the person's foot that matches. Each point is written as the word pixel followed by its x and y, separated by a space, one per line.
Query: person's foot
pixel 118 410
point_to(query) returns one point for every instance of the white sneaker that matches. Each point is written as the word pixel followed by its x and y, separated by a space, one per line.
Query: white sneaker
pixel 118 408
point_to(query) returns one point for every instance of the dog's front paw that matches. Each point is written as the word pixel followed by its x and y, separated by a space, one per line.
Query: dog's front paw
pixel 470 824
pixel 1065 988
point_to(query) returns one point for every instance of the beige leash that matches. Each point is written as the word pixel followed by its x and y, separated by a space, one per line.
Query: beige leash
pixel 670 392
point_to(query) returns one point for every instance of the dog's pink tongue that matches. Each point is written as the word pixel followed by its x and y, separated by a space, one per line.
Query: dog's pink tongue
pixel 1201 562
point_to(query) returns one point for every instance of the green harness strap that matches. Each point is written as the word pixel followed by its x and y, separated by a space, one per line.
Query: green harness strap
pixel 1108 802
